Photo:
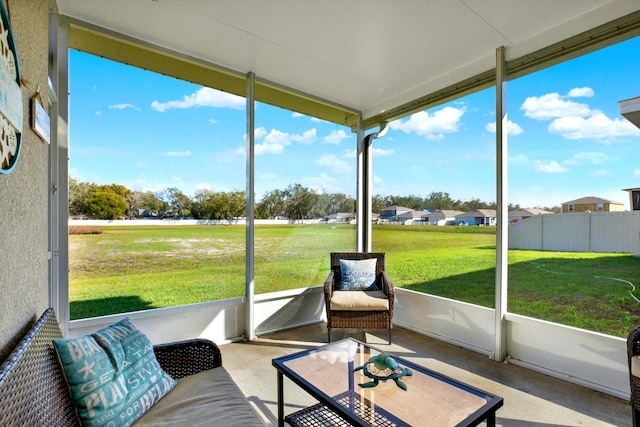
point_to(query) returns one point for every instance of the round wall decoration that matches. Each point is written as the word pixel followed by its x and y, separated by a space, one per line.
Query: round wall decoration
pixel 11 109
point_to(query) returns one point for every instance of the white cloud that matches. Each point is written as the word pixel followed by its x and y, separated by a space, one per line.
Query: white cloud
pixel 334 164
pixel 266 148
pixel 600 172
pixel 549 166
pixel 335 137
pixel 277 137
pixel 598 126
pixel 552 105
pixel 259 133
pixel 274 141
pixel 574 120
pixel 581 92
pixel 122 107
pixel 203 186
pixel 513 129
pixel 636 172
pixel 432 126
pixel 308 137
pixel 322 183
pixel 212 121
pixel 283 138
pixel 185 153
pixel 203 97
pixel 587 157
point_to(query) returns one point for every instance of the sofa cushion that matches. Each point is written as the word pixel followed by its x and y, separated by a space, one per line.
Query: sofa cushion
pixel 208 398
pixel 358 275
pixel 635 366
pixel 359 301
pixel 113 374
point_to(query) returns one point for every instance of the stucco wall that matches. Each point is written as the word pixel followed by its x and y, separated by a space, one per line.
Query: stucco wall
pixel 593 207
pixel 24 289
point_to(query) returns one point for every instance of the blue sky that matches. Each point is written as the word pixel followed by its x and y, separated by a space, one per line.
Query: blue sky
pixel 566 137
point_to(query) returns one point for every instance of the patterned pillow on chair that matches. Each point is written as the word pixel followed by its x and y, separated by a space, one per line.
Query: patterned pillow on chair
pixel 358 275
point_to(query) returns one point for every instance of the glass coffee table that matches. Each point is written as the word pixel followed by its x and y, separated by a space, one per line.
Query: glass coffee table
pixel 332 374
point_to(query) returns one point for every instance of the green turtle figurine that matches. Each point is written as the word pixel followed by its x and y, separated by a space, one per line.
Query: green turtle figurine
pixel 382 368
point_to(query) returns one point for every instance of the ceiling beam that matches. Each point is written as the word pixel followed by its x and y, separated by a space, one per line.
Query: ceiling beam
pixel 108 44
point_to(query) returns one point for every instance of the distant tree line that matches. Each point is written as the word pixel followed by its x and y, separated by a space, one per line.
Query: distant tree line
pixel 294 202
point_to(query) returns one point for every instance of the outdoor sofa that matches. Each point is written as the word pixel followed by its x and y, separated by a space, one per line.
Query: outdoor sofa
pixel 633 357
pixel 34 391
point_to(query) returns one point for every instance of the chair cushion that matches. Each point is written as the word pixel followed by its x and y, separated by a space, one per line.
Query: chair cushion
pixel 359 301
pixel 113 374
pixel 358 275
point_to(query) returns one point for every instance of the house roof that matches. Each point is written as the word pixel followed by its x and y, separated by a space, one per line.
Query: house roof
pixel 445 213
pixel 333 59
pixel 395 208
pixel 590 200
pixel 529 212
pixel 411 214
pixel 479 213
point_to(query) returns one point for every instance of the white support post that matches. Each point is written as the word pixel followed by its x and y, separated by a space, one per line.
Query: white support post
pixel 502 226
pixel 362 238
pixel 58 172
pixel 250 201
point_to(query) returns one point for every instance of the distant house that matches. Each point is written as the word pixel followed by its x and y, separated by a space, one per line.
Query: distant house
pixel 634 197
pixel 592 204
pixel 390 213
pixel 346 218
pixel 411 217
pixel 341 217
pixel 442 217
pixel 477 217
pixel 518 215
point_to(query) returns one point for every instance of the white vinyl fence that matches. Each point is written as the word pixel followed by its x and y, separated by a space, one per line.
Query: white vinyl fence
pixel 578 232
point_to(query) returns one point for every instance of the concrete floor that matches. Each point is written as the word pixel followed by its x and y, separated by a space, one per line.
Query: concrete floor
pixel 530 398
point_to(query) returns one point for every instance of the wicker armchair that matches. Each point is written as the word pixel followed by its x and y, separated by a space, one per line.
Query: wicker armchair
pixel 357 317
pixel 633 357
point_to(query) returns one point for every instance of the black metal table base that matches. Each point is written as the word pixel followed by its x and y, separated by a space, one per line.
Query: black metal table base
pixel 320 415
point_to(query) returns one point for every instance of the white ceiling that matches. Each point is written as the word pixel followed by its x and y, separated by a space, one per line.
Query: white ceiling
pixel 370 55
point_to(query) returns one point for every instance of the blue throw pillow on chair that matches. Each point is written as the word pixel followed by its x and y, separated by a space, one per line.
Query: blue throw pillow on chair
pixel 358 275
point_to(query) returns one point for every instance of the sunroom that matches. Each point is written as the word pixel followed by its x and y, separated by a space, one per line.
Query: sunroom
pixel 360 65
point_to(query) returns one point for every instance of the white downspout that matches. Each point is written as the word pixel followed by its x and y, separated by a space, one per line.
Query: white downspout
pixel 365 196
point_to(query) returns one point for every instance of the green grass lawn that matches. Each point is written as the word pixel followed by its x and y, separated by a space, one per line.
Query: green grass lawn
pixel 136 268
